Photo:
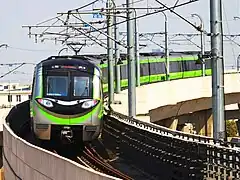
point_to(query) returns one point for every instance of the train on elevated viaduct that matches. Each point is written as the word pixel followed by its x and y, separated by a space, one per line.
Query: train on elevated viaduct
pixel 67 91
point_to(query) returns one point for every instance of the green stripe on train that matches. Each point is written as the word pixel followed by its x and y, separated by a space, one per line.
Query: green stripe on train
pixel 162 77
pixel 153 60
pixel 65 121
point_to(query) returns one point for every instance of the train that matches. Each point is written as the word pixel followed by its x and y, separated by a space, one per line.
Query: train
pixel 153 68
pixel 57 112
pixel 67 99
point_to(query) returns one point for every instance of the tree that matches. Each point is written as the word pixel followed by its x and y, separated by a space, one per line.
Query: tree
pixel 231 128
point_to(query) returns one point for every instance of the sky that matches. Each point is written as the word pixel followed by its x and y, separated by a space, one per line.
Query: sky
pixel 14 14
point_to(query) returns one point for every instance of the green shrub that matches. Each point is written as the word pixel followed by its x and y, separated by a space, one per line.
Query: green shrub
pixel 231 128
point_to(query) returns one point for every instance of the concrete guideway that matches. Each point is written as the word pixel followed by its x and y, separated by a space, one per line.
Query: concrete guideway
pixel 170 99
pixel 3 114
pixel 23 160
pixel 19 153
pixel 26 161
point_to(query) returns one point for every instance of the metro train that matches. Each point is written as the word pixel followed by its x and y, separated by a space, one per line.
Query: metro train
pixel 67 99
pixel 67 91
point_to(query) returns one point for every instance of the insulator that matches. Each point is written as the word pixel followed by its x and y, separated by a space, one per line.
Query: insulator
pixel 29 30
pixel 35 38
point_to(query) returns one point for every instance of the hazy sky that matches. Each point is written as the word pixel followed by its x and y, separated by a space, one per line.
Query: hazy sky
pixel 14 14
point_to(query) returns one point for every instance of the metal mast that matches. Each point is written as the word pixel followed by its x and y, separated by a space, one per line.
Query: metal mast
pixel 166 46
pixel 131 60
pixel 110 54
pixel 137 57
pixel 202 43
pixel 217 70
pixel 117 58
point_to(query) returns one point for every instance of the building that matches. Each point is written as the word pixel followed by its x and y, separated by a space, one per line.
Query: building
pixel 14 87
pixel 12 98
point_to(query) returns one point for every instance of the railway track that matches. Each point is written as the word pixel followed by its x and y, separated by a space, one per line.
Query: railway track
pixel 92 159
pixel 89 157
pixel 95 158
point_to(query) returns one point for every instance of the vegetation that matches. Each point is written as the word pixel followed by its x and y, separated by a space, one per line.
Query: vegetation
pixel 231 128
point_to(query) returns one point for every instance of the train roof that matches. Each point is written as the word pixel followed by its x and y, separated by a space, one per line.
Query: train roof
pixel 144 54
pixel 70 60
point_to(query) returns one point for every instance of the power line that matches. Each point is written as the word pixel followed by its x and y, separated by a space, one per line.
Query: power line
pixel 161 9
pixel 148 14
pixel 9 72
pixel 14 64
pixel 12 70
pixel 33 50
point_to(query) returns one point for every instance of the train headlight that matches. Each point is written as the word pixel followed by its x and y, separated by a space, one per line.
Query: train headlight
pixel 45 102
pixel 89 104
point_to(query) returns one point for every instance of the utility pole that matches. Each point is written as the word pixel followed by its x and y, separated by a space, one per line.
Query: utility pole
pixel 203 50
pixel 202 44
pixel 217 70
pixel 131 61
pixel 238 62
pixel 110 54
pixel 137 58
pixel 117 58
pixel 166 46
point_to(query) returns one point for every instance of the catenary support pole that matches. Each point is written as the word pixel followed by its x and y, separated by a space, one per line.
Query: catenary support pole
pixel 166 47
pixel 117 57
pixel 202 43
pixel 203 52
pixel 217 70
pixel 137 58
pixel 238 62
pixel 110 54
pixel 131 61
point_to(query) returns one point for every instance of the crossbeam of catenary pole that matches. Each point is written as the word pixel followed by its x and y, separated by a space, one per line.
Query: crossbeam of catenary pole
pixel 91 37
pixel 162 9
pixel 151 13
pixel 101 32
pixel 59 26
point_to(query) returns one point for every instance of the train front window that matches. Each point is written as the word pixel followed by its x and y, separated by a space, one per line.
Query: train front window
pixel 81 86
pixel 57 86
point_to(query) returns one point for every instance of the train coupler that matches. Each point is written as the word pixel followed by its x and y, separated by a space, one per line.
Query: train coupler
pixel 67 132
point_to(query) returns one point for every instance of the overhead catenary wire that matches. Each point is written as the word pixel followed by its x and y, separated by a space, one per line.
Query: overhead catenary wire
pixel 9 72
pixel 90 37
pixel 141 16
pixel 86 5
pixel 33 50
pixel 228 29
pixel 155 12
pixel 91 31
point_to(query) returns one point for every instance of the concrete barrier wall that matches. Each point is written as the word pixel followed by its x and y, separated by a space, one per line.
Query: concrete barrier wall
pixel 22 160
pixel 26 161
pixel 172 92
pixel 3 114
pixel 152 96
pixel 168 99
pixel 189 106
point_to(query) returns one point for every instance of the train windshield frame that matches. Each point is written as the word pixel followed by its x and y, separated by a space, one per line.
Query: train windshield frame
pixel 81 86
pixel 68 85
pixel 57 85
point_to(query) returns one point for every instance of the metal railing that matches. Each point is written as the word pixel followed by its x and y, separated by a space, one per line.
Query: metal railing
pixel 186 155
